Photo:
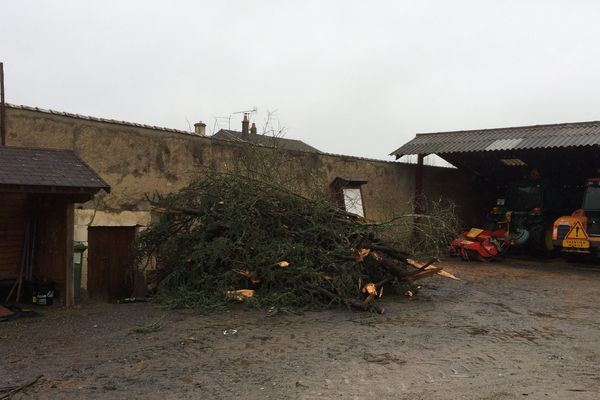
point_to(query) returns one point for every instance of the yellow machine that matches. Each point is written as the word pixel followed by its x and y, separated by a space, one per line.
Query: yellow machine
pixel 580 231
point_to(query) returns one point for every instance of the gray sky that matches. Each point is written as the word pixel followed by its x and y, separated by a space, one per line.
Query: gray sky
pixel 350 77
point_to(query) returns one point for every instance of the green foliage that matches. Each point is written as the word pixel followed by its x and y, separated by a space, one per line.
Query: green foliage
pixel 222 224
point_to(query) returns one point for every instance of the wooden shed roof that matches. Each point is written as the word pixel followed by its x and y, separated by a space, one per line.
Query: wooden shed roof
pixel 47 168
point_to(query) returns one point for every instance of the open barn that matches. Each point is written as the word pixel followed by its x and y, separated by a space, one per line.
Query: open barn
pixel 538 171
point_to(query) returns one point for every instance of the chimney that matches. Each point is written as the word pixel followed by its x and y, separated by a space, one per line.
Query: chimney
pixel 253 129
pixel 245 125
pixel 200 128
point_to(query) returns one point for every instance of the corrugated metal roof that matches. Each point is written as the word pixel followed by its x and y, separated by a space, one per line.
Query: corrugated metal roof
pixel 515 138
pixel 24 166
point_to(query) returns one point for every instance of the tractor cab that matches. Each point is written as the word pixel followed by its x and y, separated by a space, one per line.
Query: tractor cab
pixel 525 197
pixel 591 198
pixel 580 231
pixel 522 199
pixel 528 210
pixel 591 206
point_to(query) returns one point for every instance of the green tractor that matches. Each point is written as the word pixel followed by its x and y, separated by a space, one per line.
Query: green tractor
pixel 529 210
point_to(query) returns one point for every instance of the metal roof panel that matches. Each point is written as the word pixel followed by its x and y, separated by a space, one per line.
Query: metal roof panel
pixel 524 137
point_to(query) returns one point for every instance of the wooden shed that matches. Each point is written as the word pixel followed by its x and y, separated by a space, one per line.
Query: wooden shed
pixel 38 190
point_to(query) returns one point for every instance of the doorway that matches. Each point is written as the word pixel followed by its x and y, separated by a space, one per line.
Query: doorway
pixel 109 274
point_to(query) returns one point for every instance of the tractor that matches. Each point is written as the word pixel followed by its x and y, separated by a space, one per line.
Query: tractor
pixel 579 233
pixel 532 207
pixel 522 220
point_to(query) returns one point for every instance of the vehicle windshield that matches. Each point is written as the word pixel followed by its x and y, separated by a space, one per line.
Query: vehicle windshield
pixel 591 199
pixel 524 197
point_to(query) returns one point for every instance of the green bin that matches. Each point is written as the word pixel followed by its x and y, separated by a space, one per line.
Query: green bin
pixel 78 249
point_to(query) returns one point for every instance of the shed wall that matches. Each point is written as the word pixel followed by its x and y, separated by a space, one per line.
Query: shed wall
pixel 51 240
pixel 13 222
pixel 55 244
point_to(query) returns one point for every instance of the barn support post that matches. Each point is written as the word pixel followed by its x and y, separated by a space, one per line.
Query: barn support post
pixel 419 206
pixel 70 230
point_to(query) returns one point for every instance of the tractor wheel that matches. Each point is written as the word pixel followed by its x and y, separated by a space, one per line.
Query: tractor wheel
pixel 541 241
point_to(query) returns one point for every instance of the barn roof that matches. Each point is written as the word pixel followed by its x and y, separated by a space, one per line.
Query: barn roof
pixel 576 134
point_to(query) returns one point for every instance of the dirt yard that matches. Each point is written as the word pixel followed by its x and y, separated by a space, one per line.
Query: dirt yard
pixel 506 331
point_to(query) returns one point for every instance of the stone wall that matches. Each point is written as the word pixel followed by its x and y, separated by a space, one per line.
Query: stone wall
pixel 137 160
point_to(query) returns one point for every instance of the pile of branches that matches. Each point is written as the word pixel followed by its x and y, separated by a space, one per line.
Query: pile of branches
pixel 228 238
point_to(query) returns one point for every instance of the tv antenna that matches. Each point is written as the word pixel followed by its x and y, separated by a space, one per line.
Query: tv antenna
pixel 230 116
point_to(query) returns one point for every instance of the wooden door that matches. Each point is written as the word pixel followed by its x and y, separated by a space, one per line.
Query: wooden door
pixel 109 274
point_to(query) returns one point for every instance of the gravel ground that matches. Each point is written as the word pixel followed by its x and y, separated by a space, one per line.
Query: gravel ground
pixel 508 330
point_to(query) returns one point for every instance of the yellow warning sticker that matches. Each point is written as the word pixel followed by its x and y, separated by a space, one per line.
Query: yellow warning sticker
pixel 577 232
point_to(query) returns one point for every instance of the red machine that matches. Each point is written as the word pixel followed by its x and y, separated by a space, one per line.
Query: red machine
pixel 479 244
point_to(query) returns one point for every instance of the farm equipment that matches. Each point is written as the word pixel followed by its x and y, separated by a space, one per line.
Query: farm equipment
pixel 580 231
pixel 521 221
pixel 484 245
pixel 479 244
pixel 534 206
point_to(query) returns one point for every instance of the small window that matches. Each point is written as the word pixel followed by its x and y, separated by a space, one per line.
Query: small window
pixel 348 194
pixel 353 201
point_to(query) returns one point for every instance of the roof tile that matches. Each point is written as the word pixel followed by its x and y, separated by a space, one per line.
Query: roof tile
pixel 269 141
pixel 25 166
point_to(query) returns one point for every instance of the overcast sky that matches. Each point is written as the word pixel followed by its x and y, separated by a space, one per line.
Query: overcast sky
pixel 351 77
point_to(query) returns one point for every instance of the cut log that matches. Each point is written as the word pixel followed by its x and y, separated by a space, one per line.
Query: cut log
pixel 400 269
pixel 420 274
pixel 397 254
pixel 443 273
pixel 394 267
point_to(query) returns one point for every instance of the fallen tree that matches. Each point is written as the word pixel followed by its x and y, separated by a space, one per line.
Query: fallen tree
pixel 228 238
